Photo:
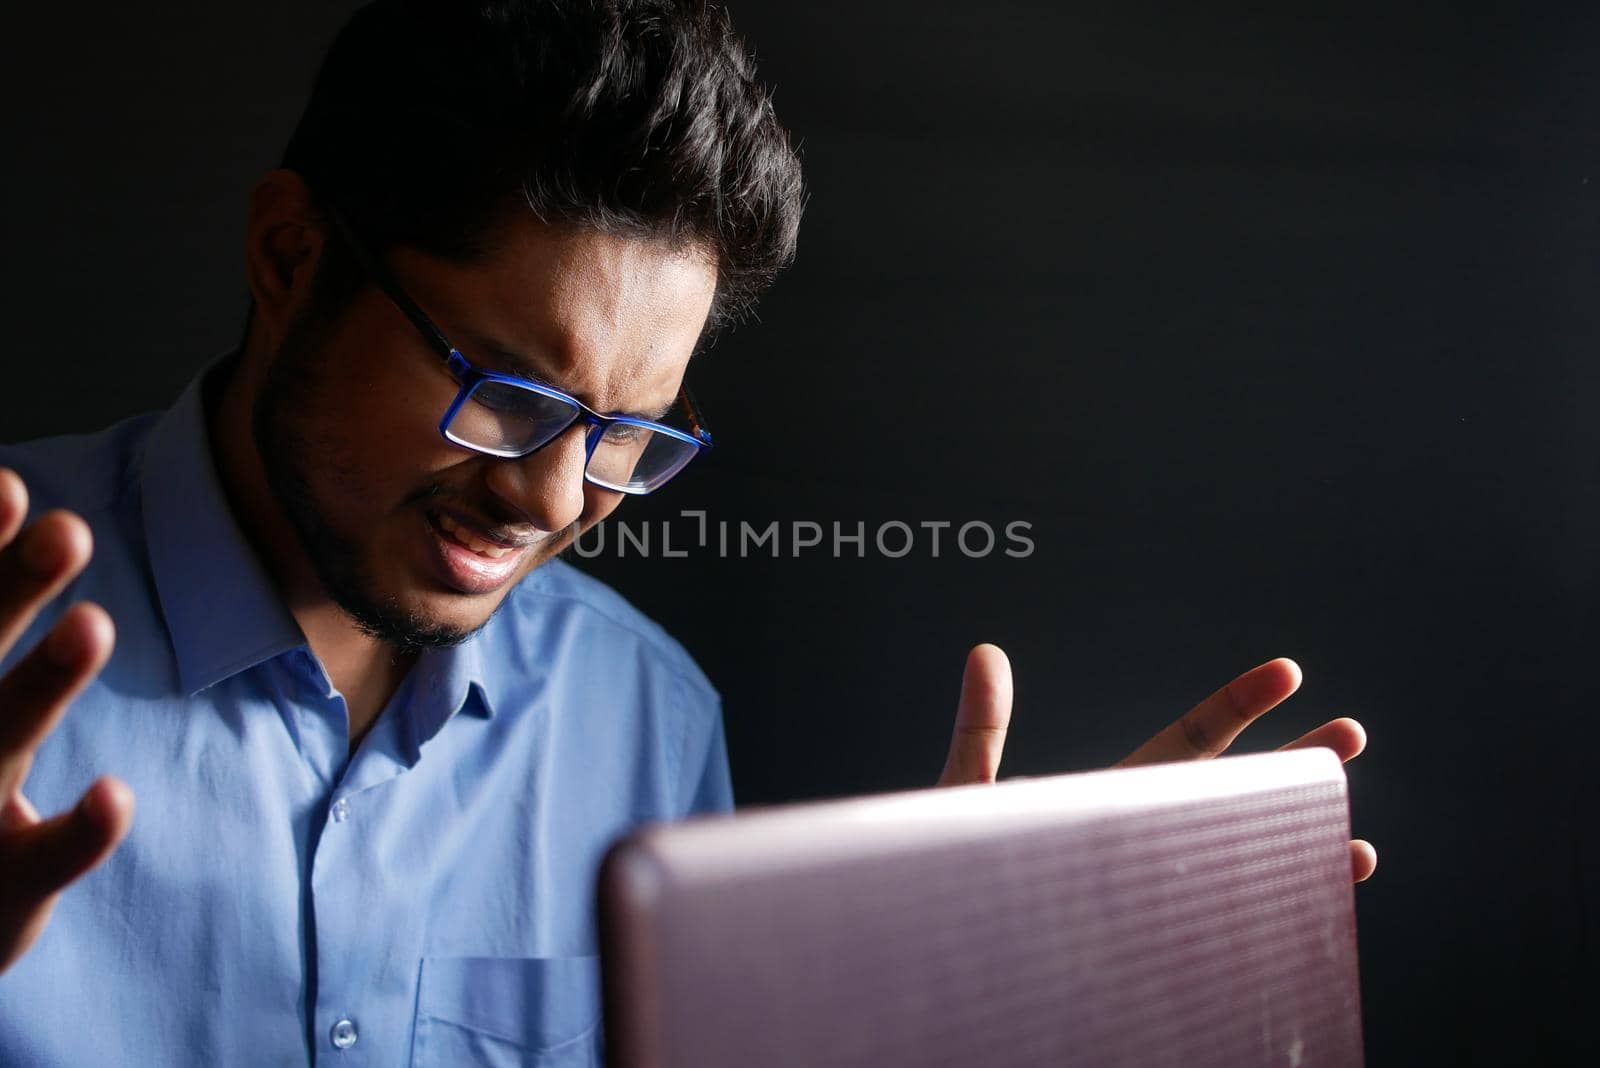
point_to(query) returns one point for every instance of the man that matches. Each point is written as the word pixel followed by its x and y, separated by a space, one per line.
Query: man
pixel 380 735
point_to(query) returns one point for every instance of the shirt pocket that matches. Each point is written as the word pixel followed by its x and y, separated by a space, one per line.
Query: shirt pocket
pixel 530 1012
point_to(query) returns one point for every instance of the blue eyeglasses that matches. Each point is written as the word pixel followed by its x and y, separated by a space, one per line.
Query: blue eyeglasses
pixel 509 417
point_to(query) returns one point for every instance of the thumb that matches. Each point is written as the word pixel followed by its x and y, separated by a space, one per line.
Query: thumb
pixel 981 719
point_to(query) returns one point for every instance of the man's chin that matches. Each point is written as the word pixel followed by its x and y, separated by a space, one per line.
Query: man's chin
pixel 437 615
pixel 414 623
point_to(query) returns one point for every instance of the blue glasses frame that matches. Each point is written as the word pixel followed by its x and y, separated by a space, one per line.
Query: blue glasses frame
pixel 471 377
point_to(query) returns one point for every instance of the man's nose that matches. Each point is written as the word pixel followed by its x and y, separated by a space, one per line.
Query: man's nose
pixel 545 486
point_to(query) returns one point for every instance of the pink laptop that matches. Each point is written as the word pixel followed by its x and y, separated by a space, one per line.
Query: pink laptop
pixel 1196 915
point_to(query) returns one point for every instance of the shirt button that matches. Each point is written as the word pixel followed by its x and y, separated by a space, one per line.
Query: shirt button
pixel 341 812
pixel 343 1034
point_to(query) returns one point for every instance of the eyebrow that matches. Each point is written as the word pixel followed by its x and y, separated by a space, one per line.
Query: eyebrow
pixel 520 365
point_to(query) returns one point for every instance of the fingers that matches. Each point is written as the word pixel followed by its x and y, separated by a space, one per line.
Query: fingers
pixel 1363 860
pixel 1344 736
pixel 40 857
pixel 37 563
pixel 35 693
pixel 13 504
pixel 17 811
pixel 981 718
pixel 44 858
pixel 1210 727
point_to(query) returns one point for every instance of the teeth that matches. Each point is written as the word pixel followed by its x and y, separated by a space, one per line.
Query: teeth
pixel 456 531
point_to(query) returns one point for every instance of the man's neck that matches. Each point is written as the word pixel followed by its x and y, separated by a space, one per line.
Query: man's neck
pixel 366 671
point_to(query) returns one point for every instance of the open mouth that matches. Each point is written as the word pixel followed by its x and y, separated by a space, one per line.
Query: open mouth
pixel 467 562
pixel 464 537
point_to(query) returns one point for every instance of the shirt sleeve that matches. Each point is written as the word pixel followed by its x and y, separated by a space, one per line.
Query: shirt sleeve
pixel 710 783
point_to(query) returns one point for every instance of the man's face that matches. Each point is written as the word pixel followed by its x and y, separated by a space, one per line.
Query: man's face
pixel 409 533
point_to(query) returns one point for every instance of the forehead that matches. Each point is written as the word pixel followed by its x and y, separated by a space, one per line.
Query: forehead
pixel 611 318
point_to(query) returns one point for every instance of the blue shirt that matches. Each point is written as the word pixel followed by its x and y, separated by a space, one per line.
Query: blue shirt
pixel 426 901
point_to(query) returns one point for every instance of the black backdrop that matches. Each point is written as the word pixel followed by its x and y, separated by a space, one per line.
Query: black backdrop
pixel 1276 325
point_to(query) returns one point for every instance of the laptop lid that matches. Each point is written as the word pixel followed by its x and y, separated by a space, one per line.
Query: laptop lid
pixel 1197 914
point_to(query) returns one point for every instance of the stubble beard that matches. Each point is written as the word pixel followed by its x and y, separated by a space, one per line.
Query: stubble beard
pixel 289 456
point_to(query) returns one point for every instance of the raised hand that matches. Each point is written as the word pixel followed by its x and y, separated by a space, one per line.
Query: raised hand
pixel 40 857
pixel 1205 731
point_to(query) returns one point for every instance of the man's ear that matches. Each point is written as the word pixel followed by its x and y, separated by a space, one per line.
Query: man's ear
pixel 283 243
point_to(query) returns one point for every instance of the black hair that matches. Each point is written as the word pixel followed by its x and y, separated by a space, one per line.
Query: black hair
pixel 431 121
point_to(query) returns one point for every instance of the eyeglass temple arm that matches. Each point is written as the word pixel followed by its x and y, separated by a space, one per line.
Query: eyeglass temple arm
pixel 386 282
pixel 691 411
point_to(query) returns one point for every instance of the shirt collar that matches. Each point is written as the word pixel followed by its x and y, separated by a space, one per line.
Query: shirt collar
pixel 222 610
pixel 450 680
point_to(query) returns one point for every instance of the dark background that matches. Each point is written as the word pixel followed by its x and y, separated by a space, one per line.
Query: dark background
pixel 1276 324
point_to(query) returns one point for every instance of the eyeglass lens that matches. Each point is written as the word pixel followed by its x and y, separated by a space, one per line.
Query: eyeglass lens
pixel 506 420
